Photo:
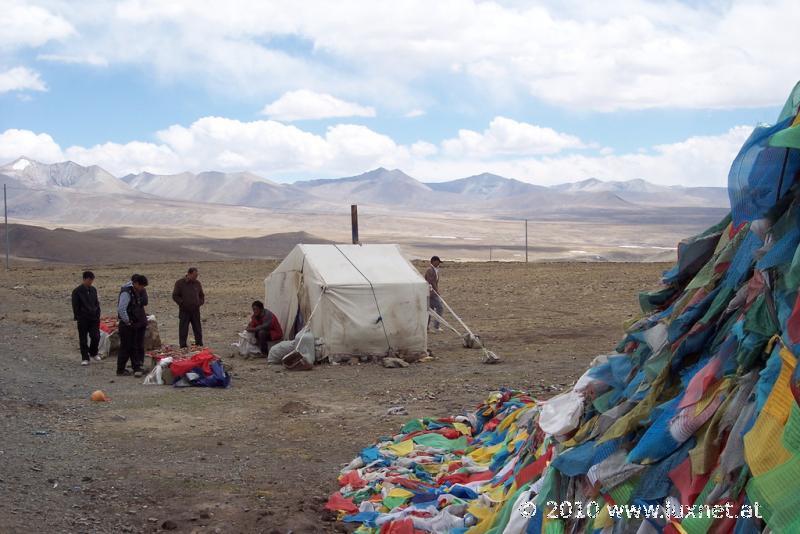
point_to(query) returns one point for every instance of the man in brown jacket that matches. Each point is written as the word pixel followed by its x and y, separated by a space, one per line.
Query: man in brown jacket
pixel 188 295
pixel 434 302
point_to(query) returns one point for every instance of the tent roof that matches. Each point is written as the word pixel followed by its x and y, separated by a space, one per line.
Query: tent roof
pixel 346 265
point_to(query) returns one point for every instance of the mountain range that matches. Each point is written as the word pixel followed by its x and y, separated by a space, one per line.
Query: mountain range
pixel 53 190
pixel 223 215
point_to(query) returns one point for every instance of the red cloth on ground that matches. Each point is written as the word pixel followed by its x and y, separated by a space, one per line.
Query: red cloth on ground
pixel 453 466
pixel 530 471
pixel 491 425
pixel 465 478
pixel 353 479
pixel 408 484
pixel 400 526
pixel 337 502
pixel 688 486
pixel 275 330
pixel 202 359
pixel 449 433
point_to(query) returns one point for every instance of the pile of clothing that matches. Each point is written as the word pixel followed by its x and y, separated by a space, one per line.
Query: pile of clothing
pixel 109 325
pixel 692 423
pixel 109 336
pixel 186 367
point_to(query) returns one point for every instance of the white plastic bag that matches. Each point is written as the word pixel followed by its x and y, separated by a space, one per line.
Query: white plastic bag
pixel 154 377
pixel 104 346
pixel 247 344
pixel 561 414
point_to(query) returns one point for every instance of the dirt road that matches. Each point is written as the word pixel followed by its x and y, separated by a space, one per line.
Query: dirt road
pixel 264 454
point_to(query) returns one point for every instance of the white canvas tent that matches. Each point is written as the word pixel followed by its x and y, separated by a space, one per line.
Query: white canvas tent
pixel 369 299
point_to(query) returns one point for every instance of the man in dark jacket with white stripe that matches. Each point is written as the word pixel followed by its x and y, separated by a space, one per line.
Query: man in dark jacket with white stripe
pixel 86 311
pixel 132 325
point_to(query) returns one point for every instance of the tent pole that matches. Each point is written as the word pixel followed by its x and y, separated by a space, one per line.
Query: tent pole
pixel 354 222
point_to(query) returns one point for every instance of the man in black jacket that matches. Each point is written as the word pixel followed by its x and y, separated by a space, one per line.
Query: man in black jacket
pixel 188 295
pixel 86 311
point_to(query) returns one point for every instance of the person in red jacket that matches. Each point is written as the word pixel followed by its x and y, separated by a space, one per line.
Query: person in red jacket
pixel 265 326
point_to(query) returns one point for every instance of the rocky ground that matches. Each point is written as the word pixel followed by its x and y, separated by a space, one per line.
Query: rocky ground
pixel 264 454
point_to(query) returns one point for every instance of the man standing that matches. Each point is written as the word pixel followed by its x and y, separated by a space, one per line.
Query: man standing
pixel 265 326
pixel 434 302
pixel 132 325
pixel 86 311
pixel 188 295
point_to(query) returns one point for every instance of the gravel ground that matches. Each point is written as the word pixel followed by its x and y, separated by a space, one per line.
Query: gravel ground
pixel 263 455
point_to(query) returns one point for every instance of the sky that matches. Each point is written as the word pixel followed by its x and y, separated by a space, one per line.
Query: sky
pixel 544 92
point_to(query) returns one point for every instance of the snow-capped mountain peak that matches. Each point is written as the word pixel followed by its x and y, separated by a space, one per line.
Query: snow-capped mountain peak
pixel 20 165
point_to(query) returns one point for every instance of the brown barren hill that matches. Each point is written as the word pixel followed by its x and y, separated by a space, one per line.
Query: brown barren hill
pixel 109 246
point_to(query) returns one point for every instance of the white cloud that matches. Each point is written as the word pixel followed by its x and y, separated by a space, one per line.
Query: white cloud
pixel 121 159
pixel 510 138
pixel 304 104
pixel 41 147
pixel 21 79
pixel 24 25
pixel 270 148
pixel 423 149
pixel 415 113
pixel 696 161
pixel 93 60
pixel 257 144
pixel 635 54
pixel 357 146
pixel 277 150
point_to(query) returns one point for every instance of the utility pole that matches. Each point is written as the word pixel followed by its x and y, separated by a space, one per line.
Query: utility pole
pixel 526 240
pixel 5 213
pixel 354 222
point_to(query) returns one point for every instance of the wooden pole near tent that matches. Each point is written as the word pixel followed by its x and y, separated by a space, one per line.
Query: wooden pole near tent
pixel 354 222
pixel 5 213
pixel 526 240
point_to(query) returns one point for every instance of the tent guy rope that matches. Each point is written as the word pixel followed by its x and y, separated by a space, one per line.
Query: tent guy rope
pixel 488 356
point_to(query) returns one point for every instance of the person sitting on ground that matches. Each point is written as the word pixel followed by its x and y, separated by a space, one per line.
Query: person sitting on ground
pixel 434 301
pixel 132 325
pixel 264 326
